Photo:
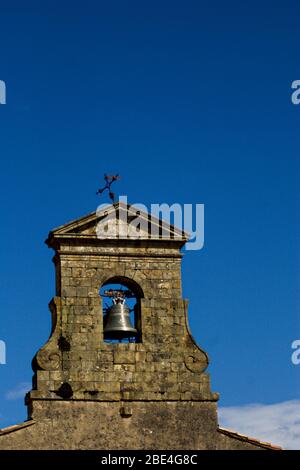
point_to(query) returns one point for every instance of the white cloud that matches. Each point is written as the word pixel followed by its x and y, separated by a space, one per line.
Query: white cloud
pixel 278 424
pixel 19 391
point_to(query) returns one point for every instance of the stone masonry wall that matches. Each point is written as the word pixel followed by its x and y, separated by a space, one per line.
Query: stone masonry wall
pixel 166 365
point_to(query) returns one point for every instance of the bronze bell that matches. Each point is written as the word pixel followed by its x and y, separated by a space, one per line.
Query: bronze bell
pixel 117 323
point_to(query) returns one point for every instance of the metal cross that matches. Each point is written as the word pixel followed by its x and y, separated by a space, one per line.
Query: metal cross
pixel 109 179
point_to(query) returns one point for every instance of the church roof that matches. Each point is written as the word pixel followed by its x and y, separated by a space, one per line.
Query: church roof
pixel 250 440
pixel 16 427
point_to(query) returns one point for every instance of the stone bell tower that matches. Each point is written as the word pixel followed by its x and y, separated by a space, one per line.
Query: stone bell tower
pixel 147 392
pixel 148 386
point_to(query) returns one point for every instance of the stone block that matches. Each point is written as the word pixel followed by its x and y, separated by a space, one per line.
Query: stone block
pixel 124 357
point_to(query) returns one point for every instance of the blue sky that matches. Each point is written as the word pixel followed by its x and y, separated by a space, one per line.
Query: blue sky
pixel 190 103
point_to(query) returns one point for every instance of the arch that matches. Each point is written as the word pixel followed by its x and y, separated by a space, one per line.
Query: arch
pixel 131 284
pixel 117 283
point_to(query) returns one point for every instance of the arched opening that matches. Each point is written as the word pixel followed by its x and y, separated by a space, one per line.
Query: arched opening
pixel 121 300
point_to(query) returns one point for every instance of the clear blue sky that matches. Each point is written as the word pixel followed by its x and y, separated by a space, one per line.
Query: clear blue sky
pixel 190 103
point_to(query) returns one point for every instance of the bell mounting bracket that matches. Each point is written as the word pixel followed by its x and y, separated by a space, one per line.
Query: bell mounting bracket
pixel 119 294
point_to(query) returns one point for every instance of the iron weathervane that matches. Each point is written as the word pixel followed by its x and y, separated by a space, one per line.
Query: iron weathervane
pixel 109 180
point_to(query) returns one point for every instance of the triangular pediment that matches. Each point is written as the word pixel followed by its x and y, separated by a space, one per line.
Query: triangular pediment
pixel 119 221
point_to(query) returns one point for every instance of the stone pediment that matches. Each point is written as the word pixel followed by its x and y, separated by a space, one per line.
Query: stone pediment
pixel 118 221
